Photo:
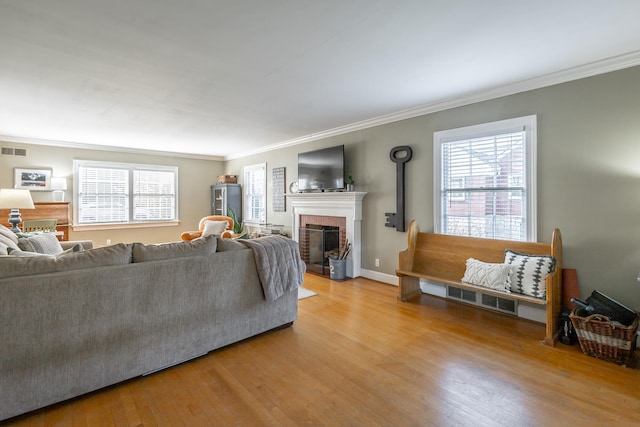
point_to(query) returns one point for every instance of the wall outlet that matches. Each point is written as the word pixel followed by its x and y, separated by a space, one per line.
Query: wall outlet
pixel 108 242
pixel 377 262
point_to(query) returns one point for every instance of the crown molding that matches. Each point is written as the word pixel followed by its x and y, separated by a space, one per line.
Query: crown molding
pixel 583 71
pixel 587 70
pixel 86 146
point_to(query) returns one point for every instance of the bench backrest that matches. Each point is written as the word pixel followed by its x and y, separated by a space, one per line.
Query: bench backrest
pixel 445 256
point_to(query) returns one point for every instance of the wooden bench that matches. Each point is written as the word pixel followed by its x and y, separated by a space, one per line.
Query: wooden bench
pixel 442 258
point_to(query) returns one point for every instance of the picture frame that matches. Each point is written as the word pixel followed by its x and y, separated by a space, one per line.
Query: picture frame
pixel 32 179
pixel 278 187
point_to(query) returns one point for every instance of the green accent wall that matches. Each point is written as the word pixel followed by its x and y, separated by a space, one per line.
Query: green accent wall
pixel 588 175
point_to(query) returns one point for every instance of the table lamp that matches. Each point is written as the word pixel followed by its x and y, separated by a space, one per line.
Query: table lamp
pixel 58 185
pixel 15 200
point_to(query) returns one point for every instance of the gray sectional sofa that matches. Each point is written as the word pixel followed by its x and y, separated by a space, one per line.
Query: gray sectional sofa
pixel 76 323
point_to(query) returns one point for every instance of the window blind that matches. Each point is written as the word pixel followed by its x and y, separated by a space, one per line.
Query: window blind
pixel 124 193
pixel 483 186
pixel 255 189
pixel 103 195
pixel 153 195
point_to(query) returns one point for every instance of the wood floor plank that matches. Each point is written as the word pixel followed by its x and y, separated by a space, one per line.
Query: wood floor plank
pixel 357 356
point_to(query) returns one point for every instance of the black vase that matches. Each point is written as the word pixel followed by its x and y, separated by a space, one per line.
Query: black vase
pixel 568 334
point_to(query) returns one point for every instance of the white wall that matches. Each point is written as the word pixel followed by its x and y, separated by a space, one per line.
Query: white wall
pixel 195 179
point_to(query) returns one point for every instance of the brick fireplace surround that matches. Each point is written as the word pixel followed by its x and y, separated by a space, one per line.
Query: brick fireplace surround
pixel 325 208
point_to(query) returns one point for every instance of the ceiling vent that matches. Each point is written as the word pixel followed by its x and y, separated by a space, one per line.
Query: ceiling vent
pixel 9 151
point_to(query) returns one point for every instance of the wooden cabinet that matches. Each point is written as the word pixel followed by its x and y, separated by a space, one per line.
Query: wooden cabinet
pixel 225 196
pixel 45 210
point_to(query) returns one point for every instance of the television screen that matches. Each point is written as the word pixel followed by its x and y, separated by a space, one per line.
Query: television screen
pixel 321 170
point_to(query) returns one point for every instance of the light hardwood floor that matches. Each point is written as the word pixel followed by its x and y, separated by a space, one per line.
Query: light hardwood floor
pixel 358 357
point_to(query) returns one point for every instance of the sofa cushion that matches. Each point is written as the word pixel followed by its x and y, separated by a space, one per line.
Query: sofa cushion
pixel 529 272
pixel 226 245
pixel 4 231
pixel 202 246
pixel 86 244
pixel 11 266
pixel 45 243
pixel 488 275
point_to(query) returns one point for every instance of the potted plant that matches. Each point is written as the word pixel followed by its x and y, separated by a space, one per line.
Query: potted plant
pixel 350 183
pixel 237 225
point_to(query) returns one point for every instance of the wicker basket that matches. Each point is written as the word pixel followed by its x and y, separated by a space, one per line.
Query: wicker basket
pixel 227 179
pixel 600 337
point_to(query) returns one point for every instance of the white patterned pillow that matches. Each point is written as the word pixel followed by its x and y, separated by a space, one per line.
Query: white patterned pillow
pixel 529 272
pixel 487 275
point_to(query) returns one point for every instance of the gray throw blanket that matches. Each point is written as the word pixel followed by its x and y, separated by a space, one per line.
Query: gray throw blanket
pixel 280 267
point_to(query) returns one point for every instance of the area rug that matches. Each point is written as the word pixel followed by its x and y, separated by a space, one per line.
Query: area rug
pixel 305 293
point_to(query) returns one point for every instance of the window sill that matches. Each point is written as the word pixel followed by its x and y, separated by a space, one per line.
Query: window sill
pixel 95 227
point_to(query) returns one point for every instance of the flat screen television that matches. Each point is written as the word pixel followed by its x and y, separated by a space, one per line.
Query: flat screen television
pixel 321 170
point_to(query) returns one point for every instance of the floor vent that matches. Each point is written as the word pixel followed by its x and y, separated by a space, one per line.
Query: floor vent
pixel 493 302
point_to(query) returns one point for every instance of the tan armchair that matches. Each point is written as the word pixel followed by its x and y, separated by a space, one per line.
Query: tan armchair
pixel 227 234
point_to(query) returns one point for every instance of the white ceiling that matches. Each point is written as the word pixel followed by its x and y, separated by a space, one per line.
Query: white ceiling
pixel 221 78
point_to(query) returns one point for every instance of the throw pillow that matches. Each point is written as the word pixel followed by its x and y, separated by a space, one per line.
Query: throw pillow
pixel 4 231
pixel 17 252
pixel 6 243
pixel 214 228
pixel 21 253
pixel 529 272
pixel 204 246
pixel 75 248
pixel 488 275
pixel 45 243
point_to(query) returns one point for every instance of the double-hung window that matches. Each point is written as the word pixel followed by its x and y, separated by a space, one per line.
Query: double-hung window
pixel 124 193
pixel 485 183
pixel 255 193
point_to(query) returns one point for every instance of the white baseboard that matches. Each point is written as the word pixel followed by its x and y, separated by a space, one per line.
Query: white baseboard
pixel 379 277
pixel 432 288
pixel 532 312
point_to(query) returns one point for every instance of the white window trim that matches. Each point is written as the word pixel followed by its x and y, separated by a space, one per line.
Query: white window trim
pixel 130 224
pixel 246 206
pixel 503 126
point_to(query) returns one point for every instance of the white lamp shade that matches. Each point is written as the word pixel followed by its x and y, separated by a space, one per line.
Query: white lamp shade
pixel 15 199
pixel 58 183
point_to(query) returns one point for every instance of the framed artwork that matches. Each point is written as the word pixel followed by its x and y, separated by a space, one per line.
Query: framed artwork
pixel 32 179
pixel 278 181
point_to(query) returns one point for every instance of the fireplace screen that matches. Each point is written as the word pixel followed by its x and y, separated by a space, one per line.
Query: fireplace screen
pixel 317 244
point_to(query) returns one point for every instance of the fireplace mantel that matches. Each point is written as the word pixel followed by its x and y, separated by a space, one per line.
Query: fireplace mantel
pixel 345 204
